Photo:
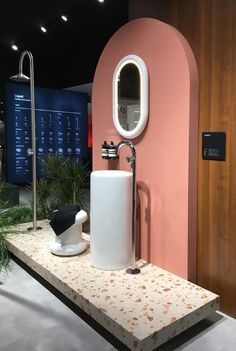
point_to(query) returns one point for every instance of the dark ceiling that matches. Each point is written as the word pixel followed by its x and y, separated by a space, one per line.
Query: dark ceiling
pixel 68 53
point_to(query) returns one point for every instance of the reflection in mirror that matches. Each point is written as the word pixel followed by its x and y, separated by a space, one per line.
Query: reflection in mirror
pixel 129 96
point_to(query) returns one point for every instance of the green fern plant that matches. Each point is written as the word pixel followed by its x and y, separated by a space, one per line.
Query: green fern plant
pixel 66 180
pixel 4 228
pixel 4 255
pixel 8 218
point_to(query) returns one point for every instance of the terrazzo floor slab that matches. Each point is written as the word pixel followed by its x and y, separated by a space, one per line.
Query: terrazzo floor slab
pixel 33 319
pixel 142 311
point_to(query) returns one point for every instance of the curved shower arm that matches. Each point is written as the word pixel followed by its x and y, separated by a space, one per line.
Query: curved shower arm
pixel 23 54
pixel 22 77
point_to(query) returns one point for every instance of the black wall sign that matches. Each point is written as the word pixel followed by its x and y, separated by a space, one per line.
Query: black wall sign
pixel 213 145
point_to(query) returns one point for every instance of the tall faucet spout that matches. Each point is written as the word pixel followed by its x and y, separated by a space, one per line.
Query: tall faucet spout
pixel 128 143
pixel 132 160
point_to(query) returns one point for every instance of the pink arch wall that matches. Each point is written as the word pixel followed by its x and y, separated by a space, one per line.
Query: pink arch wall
pixel 167 149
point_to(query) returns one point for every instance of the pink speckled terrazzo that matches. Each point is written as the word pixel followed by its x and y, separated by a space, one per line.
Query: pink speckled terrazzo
pixel 143 311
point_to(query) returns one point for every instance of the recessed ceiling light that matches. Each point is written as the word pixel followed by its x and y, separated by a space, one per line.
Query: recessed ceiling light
pixel 64 18
pixel 43 29
pixel 100 0
pixel 14 47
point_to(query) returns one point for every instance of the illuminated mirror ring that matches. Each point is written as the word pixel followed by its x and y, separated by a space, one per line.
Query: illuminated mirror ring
pixel 122 91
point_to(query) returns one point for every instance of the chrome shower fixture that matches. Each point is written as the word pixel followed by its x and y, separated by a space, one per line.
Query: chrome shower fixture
pixel 111 152
pixel 132 160
pixel 21 77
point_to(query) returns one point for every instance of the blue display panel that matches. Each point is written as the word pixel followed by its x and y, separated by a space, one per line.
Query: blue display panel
pixel 61 127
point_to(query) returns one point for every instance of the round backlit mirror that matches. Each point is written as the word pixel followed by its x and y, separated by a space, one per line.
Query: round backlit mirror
pixel 130 96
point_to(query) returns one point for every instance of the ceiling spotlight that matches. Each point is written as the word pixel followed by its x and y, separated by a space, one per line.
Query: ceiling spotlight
pixel 43 29
pixel 14 47
pixel 100 0
pixel 64 18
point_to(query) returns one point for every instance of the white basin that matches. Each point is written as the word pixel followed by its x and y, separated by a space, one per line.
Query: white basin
pixel 111 219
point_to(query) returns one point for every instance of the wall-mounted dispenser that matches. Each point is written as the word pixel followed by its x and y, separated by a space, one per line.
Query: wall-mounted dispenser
pixel 109 151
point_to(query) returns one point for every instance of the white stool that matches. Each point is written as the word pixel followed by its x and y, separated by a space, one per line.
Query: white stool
pixel 70 241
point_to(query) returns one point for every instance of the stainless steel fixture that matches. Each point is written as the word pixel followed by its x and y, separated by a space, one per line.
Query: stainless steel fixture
pixel 1 162
pixel 132 160
pixel 21 77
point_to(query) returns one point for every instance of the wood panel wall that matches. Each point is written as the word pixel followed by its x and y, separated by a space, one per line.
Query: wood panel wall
pixel 210 28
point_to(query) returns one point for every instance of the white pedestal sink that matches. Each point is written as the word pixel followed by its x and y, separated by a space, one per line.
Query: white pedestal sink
pixel 111 219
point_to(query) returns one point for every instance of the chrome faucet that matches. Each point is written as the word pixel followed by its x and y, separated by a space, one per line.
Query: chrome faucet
pixel 132 160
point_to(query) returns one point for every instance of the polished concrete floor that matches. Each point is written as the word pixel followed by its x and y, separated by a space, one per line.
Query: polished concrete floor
pixel 33 319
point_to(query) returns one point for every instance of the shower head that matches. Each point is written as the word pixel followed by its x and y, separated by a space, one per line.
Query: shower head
pixel 20 77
